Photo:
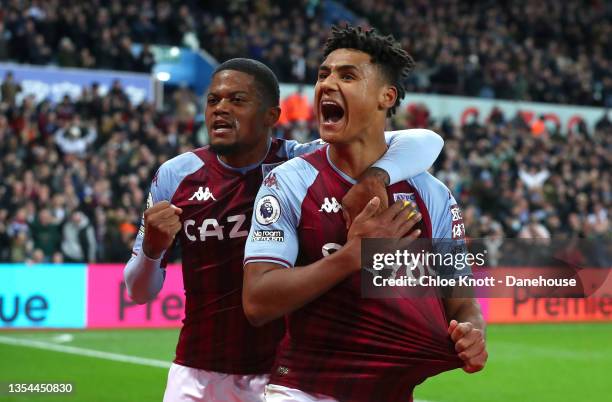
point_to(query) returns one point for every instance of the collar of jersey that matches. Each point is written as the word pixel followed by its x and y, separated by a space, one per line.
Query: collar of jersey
pixel 245 169
pixel 340 172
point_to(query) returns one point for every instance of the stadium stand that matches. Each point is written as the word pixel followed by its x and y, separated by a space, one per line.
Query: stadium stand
pixel 512 179
pixel 545 51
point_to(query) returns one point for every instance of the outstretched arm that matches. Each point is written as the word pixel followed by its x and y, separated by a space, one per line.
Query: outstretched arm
pixel 410 153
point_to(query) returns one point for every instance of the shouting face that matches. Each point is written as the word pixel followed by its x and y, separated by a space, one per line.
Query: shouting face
pixel 351 95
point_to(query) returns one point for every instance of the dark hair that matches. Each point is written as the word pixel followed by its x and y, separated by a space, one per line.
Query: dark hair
pixel 394 62
pixel 265 79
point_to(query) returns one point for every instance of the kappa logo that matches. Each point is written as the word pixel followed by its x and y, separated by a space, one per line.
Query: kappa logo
pixel 330 206
pixel 203 195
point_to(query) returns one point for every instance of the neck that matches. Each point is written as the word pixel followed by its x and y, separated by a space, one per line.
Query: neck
pixel 249 156
pixel 356 157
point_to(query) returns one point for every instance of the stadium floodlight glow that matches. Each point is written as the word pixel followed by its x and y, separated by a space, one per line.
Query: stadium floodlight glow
pixel 163 76
pixel 174 51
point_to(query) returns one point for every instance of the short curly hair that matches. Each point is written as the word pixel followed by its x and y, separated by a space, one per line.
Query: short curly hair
pixel 386 52
pixel 265 79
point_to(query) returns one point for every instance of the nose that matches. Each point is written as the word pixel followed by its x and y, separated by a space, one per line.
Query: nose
pixel 328 84
pixel 222 107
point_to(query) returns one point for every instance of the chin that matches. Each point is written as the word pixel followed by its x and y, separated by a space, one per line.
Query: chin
pixel 333 136
pixel 223 148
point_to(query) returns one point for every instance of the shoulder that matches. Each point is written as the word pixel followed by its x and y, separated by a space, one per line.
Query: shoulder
pixel 172 172
pixel 430 187
pixel 290 183
pixel 187 161
pixel 295 171
pixel 181 165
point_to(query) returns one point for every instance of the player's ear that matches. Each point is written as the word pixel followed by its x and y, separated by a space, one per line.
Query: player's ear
pixel 272 115
pixel 387 97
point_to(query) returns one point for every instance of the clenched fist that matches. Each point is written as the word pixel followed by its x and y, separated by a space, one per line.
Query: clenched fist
pixel 161 223
pixel 470 344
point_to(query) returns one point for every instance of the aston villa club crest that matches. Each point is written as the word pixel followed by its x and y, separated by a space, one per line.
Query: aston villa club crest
pixel 270 181
pixel 404 197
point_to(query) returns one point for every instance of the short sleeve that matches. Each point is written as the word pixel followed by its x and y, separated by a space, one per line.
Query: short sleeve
pixel 273 235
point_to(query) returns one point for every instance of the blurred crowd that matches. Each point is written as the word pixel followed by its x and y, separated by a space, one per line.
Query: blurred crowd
pixel 544 51
pixel 76 174
pixel 520 180
pixel 548 51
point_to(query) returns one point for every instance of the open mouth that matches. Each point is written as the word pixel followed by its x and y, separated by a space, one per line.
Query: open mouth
pixel 331 112
pixel 222 126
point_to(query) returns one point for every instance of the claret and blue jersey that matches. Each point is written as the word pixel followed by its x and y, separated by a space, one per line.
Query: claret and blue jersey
pixel 341 344
pixel 217 203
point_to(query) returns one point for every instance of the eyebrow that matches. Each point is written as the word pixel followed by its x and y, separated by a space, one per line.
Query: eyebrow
pixel 230 94
pixel 340 67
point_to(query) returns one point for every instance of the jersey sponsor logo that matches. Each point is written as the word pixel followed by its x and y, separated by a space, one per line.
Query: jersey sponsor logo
pixel 267 167
pixel 271 181
pixel 457 227
pixel 211 228
pixel 269 235
pixel 203 195
pixel 268 210
pixel 330 206
pixel 456 213
pixel 404 197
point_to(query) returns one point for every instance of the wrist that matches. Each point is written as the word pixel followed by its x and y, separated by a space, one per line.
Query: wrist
pixel 349 256
pixel 150 253
pixel 376 174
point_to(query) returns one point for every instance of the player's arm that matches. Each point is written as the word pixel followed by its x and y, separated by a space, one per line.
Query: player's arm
pixel 272 285
pixel 410 153
pixel 467 325
pixel 144 274
pixel 271 290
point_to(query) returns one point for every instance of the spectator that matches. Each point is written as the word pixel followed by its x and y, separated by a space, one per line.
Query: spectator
pixel 78 239
pixel 67 56
pixel 533 178
pixel 10 89
pixel 72 141
pixel 46 234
